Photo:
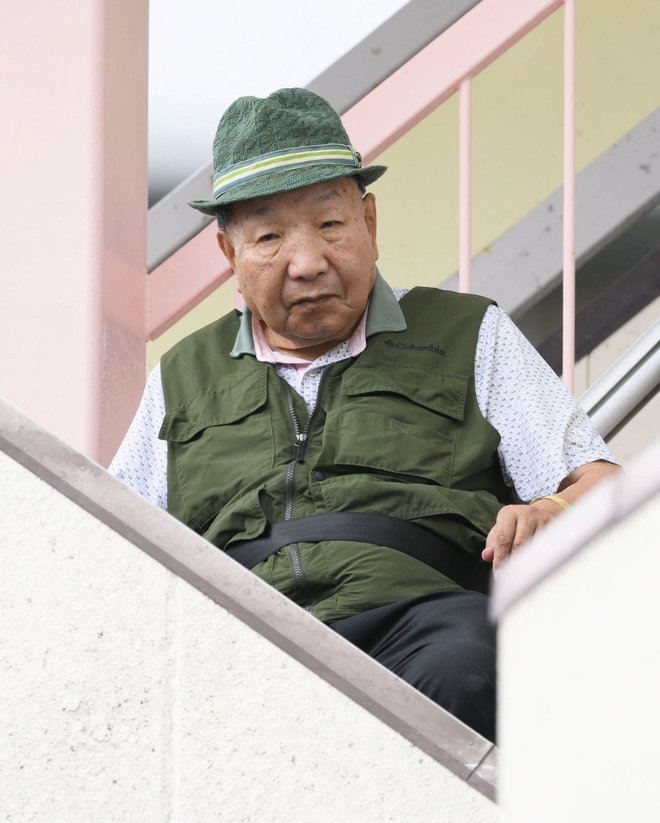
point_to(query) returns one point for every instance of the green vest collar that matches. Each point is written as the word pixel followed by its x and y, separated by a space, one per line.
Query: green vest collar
pixel 384 311
pixel 384 314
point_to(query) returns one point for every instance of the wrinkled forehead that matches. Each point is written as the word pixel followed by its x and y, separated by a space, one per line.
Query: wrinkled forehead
pixel 333 191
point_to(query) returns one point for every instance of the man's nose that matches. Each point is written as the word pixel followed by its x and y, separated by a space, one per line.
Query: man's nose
pixel 306 257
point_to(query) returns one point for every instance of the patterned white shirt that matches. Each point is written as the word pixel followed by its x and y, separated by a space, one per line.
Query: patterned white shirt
pixel 544 433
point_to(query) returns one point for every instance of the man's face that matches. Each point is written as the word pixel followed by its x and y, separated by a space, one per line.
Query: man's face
pixel 305 262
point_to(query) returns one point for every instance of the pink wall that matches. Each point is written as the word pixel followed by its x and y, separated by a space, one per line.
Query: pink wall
pixel 73 215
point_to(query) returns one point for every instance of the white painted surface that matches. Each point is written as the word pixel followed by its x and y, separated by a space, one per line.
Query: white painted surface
pixel 129 696
pixel 579 681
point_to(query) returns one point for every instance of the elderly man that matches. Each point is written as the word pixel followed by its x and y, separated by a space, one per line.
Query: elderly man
pixel 362 449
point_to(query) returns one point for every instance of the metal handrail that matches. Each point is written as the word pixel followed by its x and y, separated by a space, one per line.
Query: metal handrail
pixel 626 386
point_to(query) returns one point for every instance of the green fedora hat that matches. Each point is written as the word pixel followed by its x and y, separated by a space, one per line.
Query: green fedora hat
pixel 291 139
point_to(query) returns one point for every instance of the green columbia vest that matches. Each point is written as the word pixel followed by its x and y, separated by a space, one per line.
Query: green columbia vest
pixel 397 430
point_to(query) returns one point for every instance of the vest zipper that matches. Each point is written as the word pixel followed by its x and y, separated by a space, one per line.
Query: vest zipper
pixel 300 437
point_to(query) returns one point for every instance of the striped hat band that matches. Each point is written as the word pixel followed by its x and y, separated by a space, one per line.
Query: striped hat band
pixel 328 154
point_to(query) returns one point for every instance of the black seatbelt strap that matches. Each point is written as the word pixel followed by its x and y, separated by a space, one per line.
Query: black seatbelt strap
pixel 379 529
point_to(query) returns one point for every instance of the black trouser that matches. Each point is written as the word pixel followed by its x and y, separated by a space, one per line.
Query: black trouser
pixel 442 644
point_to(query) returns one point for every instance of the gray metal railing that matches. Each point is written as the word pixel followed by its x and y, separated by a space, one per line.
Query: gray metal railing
pixel 626 386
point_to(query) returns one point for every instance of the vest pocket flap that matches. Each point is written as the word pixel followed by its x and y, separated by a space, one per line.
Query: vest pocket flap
pixel 372 439
pixel 214 409
pixel 440 393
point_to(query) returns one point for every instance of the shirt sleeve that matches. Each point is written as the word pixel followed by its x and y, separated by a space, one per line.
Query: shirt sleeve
pixel 141 461
pixel 544 432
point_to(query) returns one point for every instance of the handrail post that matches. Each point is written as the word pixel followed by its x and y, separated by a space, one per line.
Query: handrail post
pixel 568 309
pixel 465 186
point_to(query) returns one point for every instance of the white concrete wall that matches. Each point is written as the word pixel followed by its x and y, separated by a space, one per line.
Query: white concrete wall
pixel 130 696
pixel 579 675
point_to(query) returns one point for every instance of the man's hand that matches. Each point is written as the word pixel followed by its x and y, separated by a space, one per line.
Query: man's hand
pixel 516 524
pixel 513 527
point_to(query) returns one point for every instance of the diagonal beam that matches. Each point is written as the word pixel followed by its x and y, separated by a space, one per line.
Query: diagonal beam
pixel 436 72
pixel 348 80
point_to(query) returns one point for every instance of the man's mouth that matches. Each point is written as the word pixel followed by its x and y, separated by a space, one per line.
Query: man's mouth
pixel 310 300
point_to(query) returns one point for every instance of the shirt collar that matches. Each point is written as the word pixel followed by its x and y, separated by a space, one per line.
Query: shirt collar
pixel 383 314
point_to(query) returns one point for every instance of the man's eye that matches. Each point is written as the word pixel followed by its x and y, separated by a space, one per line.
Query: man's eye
pixel 267 238
pixel 329 224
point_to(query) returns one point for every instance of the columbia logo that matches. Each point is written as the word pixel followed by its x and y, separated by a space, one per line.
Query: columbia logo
pixel 414 347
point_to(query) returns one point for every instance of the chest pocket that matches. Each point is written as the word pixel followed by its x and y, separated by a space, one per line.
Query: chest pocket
pixel 218 444
pixel 404 423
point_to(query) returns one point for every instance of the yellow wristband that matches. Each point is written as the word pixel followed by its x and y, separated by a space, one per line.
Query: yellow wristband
pixel 555 499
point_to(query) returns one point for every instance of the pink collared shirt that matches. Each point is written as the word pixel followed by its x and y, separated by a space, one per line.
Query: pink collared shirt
pixel 356 345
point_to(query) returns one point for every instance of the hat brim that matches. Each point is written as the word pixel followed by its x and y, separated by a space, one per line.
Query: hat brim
pixel 284 181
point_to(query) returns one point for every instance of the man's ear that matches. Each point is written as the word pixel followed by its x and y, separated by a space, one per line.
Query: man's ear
pixel 370 219
pixel 226 247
